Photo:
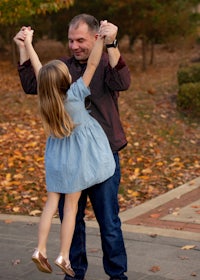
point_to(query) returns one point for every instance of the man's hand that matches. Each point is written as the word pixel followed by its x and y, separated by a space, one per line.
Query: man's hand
pixel 108 31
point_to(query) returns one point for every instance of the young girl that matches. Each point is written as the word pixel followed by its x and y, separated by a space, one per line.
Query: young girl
pixel 78 154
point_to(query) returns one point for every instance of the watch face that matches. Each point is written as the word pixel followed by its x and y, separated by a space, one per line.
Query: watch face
pixel 115 43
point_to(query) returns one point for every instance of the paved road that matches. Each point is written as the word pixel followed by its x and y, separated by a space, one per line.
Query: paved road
pixel 157 248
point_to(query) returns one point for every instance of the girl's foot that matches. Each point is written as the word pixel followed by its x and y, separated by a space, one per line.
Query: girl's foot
pixel 66 267
pixel 41 262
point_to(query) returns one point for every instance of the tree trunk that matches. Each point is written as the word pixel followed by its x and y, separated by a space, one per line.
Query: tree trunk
pixel 14 53
pixel 151 61
pixel 144 53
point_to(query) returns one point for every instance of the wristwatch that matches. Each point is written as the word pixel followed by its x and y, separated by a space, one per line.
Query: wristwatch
pixel 113 45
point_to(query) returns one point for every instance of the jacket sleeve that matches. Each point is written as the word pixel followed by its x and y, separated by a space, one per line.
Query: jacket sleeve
pixel 118 78
pixel 27 77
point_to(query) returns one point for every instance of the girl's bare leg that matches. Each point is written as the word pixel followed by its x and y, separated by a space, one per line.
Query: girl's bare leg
pixel 45 221
pixel 68 223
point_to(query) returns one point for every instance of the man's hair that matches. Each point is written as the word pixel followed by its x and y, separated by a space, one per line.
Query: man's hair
pixel 90 20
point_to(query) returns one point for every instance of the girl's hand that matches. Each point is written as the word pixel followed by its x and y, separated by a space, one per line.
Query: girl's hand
pixel 19 41
pixel 20 37
pixel 28 33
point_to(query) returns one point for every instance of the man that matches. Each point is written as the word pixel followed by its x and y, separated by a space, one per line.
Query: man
pixel 112 75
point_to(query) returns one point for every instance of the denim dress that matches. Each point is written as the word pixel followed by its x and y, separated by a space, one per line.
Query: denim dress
pixel 82 159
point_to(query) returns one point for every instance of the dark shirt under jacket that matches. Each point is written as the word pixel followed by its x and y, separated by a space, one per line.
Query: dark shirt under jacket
pixel 103 102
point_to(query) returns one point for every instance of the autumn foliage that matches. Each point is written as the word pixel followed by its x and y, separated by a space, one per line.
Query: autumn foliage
pixel 11 11
pixel 163 145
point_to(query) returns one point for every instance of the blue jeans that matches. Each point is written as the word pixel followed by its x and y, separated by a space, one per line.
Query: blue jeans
pixel 104 199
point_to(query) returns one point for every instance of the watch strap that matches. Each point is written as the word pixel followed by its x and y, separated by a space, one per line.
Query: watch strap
pixel 114 44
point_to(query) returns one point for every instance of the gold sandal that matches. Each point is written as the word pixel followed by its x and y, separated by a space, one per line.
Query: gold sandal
pixel 41 262
pixel 64 266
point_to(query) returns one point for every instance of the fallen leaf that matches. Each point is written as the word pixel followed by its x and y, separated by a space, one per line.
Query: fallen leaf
pixel 44 198
pixel 183 258
pixel 170 186
pixel 155 268
pixel 188 247
pixel 18 176
pixel 15 262
pixel 153 235
pixel 151 91
pixel 31 169
pixel 93 250
pixel 35 212
pixel 133 193
pixel 16 209
pixel 147 171
pixel 195 206
pixel 8 221
pixel 137 171
pixel 176 211
pixel 34 198
pixel 155 215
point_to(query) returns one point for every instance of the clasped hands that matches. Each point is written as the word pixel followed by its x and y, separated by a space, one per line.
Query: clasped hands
pixel 107 30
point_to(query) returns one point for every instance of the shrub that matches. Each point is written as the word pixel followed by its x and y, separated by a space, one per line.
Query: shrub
pixel 189 74
pixel 188 98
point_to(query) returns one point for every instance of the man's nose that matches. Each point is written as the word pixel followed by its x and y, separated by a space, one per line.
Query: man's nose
pixel 74 45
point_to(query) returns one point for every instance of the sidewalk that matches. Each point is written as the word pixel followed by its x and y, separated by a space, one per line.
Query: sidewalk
pixel 161 237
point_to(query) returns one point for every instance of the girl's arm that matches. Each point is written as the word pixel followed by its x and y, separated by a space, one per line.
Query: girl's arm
pixel 93 60
pixel 31 52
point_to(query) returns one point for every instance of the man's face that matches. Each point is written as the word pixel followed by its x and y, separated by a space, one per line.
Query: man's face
pixel 81 42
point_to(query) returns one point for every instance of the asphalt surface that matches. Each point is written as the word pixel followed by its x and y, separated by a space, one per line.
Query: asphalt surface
pixel 161 237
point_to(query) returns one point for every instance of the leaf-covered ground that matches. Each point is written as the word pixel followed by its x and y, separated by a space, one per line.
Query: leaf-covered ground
pixel 163 145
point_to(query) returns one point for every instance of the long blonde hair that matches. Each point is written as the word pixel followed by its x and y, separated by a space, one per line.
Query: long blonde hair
pixel 54 80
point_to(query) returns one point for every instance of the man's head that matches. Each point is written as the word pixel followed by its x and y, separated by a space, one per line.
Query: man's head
pixel 82 33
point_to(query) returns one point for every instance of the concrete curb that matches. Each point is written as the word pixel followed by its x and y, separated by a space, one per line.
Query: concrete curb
pixel 135 212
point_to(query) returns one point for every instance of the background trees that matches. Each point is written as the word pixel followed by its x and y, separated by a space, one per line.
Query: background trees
pixel 152 22
pixel 11 11
pixel 15 13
